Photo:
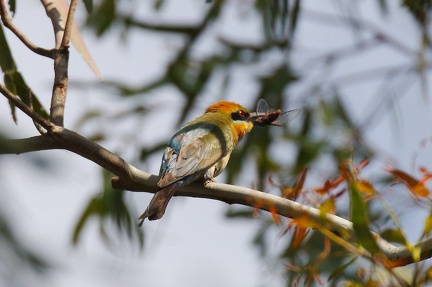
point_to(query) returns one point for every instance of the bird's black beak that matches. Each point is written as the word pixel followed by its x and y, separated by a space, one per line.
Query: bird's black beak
pixel 256 118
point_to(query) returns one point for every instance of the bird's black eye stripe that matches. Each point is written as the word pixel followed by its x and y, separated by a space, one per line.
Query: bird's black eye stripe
pixel 239 115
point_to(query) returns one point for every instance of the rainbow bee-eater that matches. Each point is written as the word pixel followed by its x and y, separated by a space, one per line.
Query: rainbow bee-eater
pixel 200 150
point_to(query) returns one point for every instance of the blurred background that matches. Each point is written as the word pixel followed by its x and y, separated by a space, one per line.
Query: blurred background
pixel 359 70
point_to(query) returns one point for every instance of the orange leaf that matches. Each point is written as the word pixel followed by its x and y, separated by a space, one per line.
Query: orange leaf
pixel 303 222
pixel 365 187
pixel 275 215
pixel 414 185
pixel 293 192
pixel 298 237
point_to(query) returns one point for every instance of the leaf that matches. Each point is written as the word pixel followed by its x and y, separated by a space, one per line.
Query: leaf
pixel 103 17
pixel 413 184
pixel 77 40
pixel 293 192
pixel 298 236
pixel 328 206
pixel 365 187
pixel 108 206
pixel 427 225
pixel 360 221
pixel 15 82
pixel 394 235
pixel 12 7
pixel 338 271
pixel 88 5
pixel 294 17
pixel 303 222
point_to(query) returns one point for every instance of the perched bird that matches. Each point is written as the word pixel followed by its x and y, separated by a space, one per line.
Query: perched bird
pixel 200 150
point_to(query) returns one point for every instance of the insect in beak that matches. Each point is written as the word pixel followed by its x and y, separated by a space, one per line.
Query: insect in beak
pixel 264 116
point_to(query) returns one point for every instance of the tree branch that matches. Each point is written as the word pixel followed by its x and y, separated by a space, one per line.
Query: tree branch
pixel 26 109
pixel 7 22
pixel 69 24
pixel 62 33
pixel 396 256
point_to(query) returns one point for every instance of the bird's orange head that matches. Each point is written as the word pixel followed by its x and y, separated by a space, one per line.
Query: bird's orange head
pixel 236 114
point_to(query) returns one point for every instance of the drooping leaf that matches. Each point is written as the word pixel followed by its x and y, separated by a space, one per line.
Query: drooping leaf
pixel 108 206
pixel 88 5
pixel 102 17
pixel 77 40
pixel 12 7
pixel 15 82
pixel 359 218
pixel 365 187
pixel 338 271
pixel 414 185
pixel 394 235
pixel 299 235
pixel 427 225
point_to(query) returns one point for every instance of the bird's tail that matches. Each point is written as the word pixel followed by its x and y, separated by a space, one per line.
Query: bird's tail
pixel 159 202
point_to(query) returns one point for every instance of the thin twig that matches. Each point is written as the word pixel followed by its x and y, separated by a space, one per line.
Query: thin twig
pixel 39 128
pixel 46 124
pixel 61 61
pixel 69 24
pixel 7 22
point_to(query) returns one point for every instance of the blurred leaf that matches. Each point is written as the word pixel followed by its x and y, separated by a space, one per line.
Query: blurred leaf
pixel 413 184
pixel 365 187
pixel 359 218
pixel 338 271
pixel 420 9
pixel 108 205
pixel 292 193
pixel 88 5
pixel 12 7
pixel 244 213
pixel 77 40
pixel 103 17
pixel 294 17
pixel 14 80
pixel 328 206
pixel 299 235
pixel 394 235
pixel 427 225
pixel 21 253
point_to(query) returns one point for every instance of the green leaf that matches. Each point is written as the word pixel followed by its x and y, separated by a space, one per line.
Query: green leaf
pixel 103 17
pixel 108 206
pixel 88 5
pixel 359 218
pixel 394 235
pixel 294 17
pixel 338 271
pixel 15 82
pixel 12 6
pixel 7 63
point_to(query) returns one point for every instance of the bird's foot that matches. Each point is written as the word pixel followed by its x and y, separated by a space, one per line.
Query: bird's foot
pixel 210 180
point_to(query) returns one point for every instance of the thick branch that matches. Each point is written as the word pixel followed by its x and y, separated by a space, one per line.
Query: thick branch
pixel 398 256
pixel 7 21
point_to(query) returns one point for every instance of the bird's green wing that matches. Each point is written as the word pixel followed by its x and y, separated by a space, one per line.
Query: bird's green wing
pixel 194 156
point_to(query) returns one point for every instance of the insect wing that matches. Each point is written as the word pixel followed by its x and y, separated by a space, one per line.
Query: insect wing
pixel 262 107
pixel 286 117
